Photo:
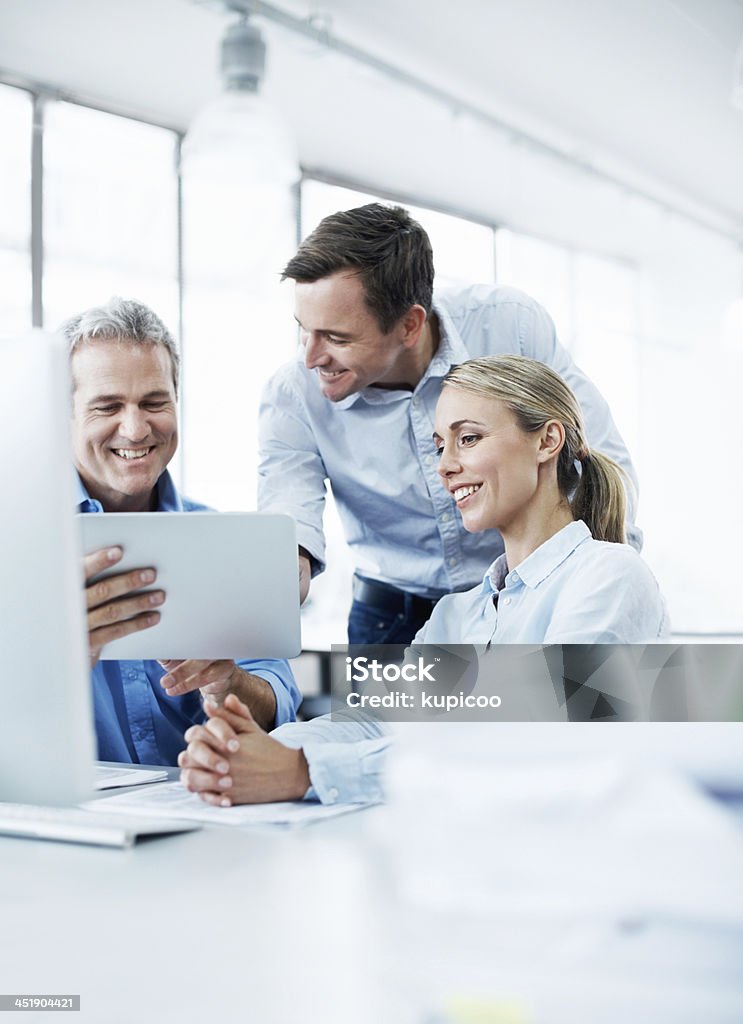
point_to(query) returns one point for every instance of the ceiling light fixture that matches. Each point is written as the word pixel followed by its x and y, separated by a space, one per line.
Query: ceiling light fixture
pixel 240 134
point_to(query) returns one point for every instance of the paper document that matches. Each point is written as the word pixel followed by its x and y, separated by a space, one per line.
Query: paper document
pixel 113 778
pixel 173 801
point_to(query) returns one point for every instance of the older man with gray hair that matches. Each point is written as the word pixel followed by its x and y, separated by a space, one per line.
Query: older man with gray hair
pixel 125 365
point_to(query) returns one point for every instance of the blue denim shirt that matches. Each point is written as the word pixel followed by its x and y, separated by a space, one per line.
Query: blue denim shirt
pixel 135 720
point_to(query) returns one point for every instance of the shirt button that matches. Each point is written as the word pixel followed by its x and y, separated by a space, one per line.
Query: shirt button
pixel 445 518
pixel 453 561
pixel 333 795
pixel 506 600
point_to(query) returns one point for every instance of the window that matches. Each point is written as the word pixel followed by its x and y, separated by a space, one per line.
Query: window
pixel 594 303
pixel 462 249
pixel 110 213
pixel 237 326
pixel 542 270
pixel 15 224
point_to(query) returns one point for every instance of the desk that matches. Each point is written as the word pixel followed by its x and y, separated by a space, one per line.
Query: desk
pixel 220 924
pixel 317 925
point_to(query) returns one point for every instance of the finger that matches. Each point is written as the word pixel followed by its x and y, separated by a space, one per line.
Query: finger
pixel 238 707
pixel 200 734
pixel 208 670
pixel 112 587
pixel 216 799
pixel 194 675
pixel 98 638
pixel 197 780
pixel 98 561
pixel 238 722
pixel 124 608
pixel 202 755
pixel 182 676
pixel 224 735
pixel 195 733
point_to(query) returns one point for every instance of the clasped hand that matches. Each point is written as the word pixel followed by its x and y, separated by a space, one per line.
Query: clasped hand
pixel 231 760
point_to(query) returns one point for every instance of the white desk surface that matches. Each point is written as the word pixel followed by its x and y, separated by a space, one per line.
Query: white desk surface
pixel 322 925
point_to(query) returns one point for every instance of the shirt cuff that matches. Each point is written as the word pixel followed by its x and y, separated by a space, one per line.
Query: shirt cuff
pixel 285 689
pixel 338 775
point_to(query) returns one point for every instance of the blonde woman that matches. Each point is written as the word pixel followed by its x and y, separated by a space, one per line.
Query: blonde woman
pixel 513 455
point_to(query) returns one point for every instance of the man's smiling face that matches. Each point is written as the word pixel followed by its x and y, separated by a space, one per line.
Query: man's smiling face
pixel 124 423
pixel 343 342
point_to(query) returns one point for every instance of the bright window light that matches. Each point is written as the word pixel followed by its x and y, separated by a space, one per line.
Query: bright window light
pixel 15 223
pixel 110 213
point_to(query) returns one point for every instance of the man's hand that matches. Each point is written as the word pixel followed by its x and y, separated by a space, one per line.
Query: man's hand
pixel 215 680
pixel 305 574
pixel 231 760
pixel 113 610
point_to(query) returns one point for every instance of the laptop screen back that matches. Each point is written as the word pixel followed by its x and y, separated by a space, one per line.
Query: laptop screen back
pixel 47 743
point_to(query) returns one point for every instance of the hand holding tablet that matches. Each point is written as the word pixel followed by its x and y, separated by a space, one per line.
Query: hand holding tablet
pixel 225 586
pixel 115 604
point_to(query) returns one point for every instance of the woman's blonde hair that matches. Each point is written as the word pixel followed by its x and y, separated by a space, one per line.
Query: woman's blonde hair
pixel 536 394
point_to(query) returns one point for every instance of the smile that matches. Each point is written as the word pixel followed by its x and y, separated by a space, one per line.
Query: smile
pixel 132 453
pixel 330 374
pixel 464 492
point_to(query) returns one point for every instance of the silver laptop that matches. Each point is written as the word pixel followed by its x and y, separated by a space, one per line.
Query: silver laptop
pixel 47 738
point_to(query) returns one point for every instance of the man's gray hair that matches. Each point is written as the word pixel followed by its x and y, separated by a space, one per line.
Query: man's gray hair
pixel 121 320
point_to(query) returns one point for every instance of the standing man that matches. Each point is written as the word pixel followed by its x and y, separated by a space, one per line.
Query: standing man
pixel 124 426
pixel 358 412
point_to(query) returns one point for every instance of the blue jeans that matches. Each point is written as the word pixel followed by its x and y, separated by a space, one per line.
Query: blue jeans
pixel 368 624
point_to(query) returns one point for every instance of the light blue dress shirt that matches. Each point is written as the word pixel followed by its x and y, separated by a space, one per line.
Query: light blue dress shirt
pixel 571 590
pixel 136 721
pixel 376 449
pixel 345 756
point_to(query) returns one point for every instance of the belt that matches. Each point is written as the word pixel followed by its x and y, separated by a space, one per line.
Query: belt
pixel 389 599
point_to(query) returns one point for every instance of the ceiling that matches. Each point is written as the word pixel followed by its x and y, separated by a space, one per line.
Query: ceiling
pixel 640 89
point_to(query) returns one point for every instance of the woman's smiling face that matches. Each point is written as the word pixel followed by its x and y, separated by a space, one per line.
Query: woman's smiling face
pixel 487 462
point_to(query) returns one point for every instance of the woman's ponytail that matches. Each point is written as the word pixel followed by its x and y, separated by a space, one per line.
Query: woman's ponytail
pixel 600 499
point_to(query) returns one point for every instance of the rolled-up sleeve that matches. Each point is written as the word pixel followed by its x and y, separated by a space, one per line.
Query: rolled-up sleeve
pixel 291 472
pixel 280 678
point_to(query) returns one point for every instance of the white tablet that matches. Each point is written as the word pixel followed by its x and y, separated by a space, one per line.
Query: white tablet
pixel 231 581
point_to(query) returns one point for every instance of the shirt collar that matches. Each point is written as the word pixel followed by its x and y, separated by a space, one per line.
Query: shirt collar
pixel 168 498
pixel 494 578
pixel 450 352
pixel 540 563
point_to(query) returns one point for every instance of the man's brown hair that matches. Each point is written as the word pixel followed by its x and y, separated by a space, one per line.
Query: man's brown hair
pixel 390 252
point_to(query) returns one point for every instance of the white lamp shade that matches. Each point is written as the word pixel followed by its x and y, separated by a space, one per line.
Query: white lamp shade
pixel 241 136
